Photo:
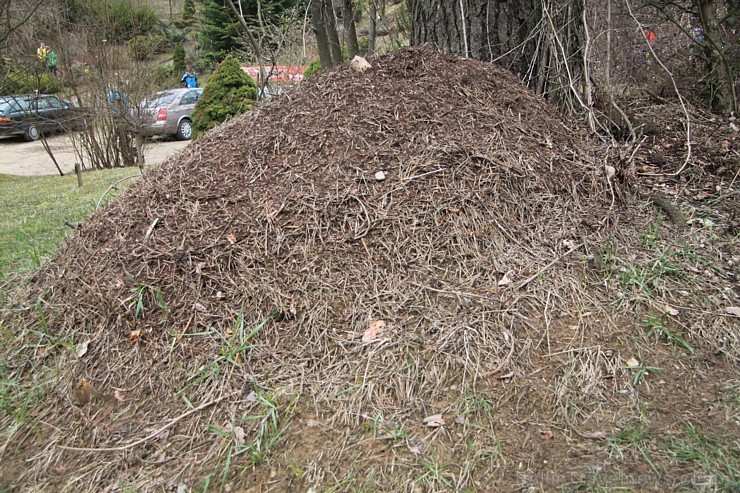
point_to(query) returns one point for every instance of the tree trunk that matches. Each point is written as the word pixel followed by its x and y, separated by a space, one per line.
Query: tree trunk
pixel 373 28
pixel 330 21
pixel 541 41
pixel 718 67
pixel 319 28
pixel 253 42
pixel 350 33
pixel 482 29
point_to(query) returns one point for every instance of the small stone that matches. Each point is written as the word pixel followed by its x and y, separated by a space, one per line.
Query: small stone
pixel 380 176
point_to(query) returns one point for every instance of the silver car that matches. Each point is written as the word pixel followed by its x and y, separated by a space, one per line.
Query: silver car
pixel 168 112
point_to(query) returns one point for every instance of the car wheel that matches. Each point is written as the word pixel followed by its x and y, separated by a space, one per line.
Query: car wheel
pixel 31 134
pixel 184 130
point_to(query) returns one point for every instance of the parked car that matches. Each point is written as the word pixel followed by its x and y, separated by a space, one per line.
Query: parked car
pixel 168 112
pixel 30 114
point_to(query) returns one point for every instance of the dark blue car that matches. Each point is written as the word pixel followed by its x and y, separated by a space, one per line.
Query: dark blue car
pixel 30 114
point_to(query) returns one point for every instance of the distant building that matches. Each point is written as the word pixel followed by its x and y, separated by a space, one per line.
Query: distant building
pixel 290 74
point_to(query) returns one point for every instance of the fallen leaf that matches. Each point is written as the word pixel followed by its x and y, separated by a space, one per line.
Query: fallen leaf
pixel 546 434
pixel 198 307
pixel 733 310
pixel 135 335
pixel 504 281
pixel 374 331
pixel 84 393
pixel 81 348
pixel 633 362
pixel 671 311
pixel 460 420
pixel 231 238
pixel 434 421
pixel 239 435
pixel 119 395
pixel 610 172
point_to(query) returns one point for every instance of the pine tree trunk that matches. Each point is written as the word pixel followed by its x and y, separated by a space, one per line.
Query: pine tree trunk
pixel 481 29
pixel 539 40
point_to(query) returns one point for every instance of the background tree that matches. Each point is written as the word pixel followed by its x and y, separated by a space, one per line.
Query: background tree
pixel 224 32
pixel 481 29
pixel 188 10
pixel 539 40
pixel 330 21
pixel 178 60
pixel 372 29
pixel 349 12
pixel 321 33
pixel 557 46
pixel 229 92
pixel 325 29
pixel 107 76
pixel 721 67
pixel 220 33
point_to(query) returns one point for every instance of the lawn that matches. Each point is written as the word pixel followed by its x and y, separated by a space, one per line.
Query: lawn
pixel 37 213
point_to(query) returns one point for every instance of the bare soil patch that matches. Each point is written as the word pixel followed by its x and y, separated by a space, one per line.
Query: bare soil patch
pixel 546 325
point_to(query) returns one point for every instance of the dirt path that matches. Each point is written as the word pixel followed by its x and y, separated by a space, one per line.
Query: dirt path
pixel 18 157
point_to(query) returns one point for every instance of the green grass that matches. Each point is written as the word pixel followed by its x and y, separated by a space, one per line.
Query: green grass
pixel 33 212
pixel 632 438
pixel 433 474
pixel 655 327
pixel 232 348
pixel 719 462
pixel 259 436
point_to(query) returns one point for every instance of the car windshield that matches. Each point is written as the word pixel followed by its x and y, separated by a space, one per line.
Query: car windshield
pixel 157 100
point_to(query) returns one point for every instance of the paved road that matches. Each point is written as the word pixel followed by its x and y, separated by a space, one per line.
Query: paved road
pixel 18 157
